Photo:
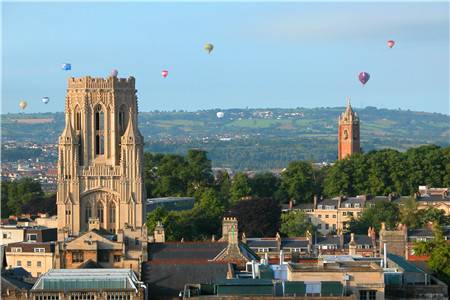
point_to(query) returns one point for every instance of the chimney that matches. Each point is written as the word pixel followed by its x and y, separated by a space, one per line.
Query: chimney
pixel 369 232
pixel 159 235
pixel 291 204
pixel 94 223
pixel 352 245
pixel 244 238
pixel 315 201
pixel 383 226
pixel 213 238
pixel 278 239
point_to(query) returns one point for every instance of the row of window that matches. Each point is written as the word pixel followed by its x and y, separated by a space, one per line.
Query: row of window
pixel 78 257
pixel 85 296
pixel 99 215
pixel 19 249
pixel 327 226
pixel 29 263
pixel 346 205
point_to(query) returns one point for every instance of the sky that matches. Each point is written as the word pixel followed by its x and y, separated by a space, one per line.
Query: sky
pixel 269 54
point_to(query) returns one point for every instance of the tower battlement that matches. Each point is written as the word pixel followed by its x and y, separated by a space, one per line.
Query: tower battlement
pixel 88 82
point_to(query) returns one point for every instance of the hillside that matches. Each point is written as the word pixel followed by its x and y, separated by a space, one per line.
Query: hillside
pixel 256 138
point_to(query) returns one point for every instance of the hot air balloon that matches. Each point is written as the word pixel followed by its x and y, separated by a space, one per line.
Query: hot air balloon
pixel 114 73
pixel 164 73
pixel 220 114
pixel 66 67
pixel 23 104
pixel 364 77
pixel 390 43
pixel 45 99
pixel 209 47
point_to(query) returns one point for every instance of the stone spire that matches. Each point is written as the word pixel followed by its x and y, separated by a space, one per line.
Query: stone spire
pixel 131 134
pixel 68 135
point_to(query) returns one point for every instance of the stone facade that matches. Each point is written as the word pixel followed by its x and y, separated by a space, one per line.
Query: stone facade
pixel 100 166
pixel 348 133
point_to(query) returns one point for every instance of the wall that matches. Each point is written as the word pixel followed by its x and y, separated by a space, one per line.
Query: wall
pixel 13 235
pixel 46 260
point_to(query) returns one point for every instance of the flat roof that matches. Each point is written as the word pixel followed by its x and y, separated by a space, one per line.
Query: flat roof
pixel 86 279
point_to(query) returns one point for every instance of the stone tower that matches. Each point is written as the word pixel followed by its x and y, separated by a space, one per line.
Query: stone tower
pixel 348 133
pixel 100 166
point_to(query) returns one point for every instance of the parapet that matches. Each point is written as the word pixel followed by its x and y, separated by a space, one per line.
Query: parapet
pixel 88 82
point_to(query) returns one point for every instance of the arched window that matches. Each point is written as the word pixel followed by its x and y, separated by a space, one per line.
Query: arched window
pixel 80 150
pixel 99 118
pixel 99 125
pixel 100 212
pixel 77 119
pixel 121 121
pixel 88 212
pixel 112 213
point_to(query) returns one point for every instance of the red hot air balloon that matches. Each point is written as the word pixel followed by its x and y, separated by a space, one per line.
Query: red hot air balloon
pixel 164 73
pixel 390 43
pixel 364 77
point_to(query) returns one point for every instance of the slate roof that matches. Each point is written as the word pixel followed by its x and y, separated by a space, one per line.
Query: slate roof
pixel 352 201
pixel 294 243
pixel 402 263
pixel 172 251
pixel 262 243
pixel 328 240
pixel 14 279
pixel 426 232
pixel 167 280
pixel 433 198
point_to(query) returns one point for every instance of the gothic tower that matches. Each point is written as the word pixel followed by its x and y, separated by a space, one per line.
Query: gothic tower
pixel 100 166
pixel 348 133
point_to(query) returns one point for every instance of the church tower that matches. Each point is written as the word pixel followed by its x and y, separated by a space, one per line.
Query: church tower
pixel 348 133
pixel 100 166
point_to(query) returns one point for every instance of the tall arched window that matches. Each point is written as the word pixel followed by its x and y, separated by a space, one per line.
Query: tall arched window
pixel 121 121
pixel 77 119
pixel 112 217
pixel 100 212
pixel 88 212
pixel 99 125
pixel 80 150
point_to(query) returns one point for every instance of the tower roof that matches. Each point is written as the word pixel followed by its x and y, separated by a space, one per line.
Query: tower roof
pixel 349 114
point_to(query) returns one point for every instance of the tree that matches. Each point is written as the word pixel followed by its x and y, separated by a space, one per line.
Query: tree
pixel 295 223
pixel 223 185
pixel 25 196
pixel 257 217
pixel 439 251
pixel 264 184
pixel 240 187
pixel 298 181
pixel 384 211
pixel 200 172
pixel 408 213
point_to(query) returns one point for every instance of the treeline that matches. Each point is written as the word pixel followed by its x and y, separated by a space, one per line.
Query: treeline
pixel 389 171
pixel 25 196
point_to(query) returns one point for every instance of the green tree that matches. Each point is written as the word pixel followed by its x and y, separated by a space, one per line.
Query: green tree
pixel 295 223
pixel 264 184
pixel 200 172
pixel 384 211
pixel 240 187
pixel 298 181
pixel 439 251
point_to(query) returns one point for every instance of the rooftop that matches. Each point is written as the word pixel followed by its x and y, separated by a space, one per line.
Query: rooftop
pixel 86 279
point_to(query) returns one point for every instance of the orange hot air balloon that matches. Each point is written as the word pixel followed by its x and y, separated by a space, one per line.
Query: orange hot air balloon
pixel 391 43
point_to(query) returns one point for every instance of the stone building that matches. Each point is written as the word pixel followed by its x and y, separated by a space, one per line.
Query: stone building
pixel 348 133
pixel 100 175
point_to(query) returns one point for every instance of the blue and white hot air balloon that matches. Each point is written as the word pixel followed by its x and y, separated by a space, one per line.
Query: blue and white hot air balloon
pixel 66 67
pixel 45 99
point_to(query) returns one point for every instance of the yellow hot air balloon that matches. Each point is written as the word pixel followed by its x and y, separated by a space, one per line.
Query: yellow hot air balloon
pixel 209 47
pixel 23 104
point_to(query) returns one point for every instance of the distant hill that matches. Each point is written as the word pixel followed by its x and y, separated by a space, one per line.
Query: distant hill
pixel 256 139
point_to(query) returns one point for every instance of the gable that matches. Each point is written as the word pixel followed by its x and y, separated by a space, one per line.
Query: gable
pixel 92 241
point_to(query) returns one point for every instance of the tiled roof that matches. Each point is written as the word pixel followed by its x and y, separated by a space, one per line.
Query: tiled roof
pixel 328 240
pixel 328 202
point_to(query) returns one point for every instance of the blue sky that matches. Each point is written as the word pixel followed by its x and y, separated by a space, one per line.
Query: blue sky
pixel 293 54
